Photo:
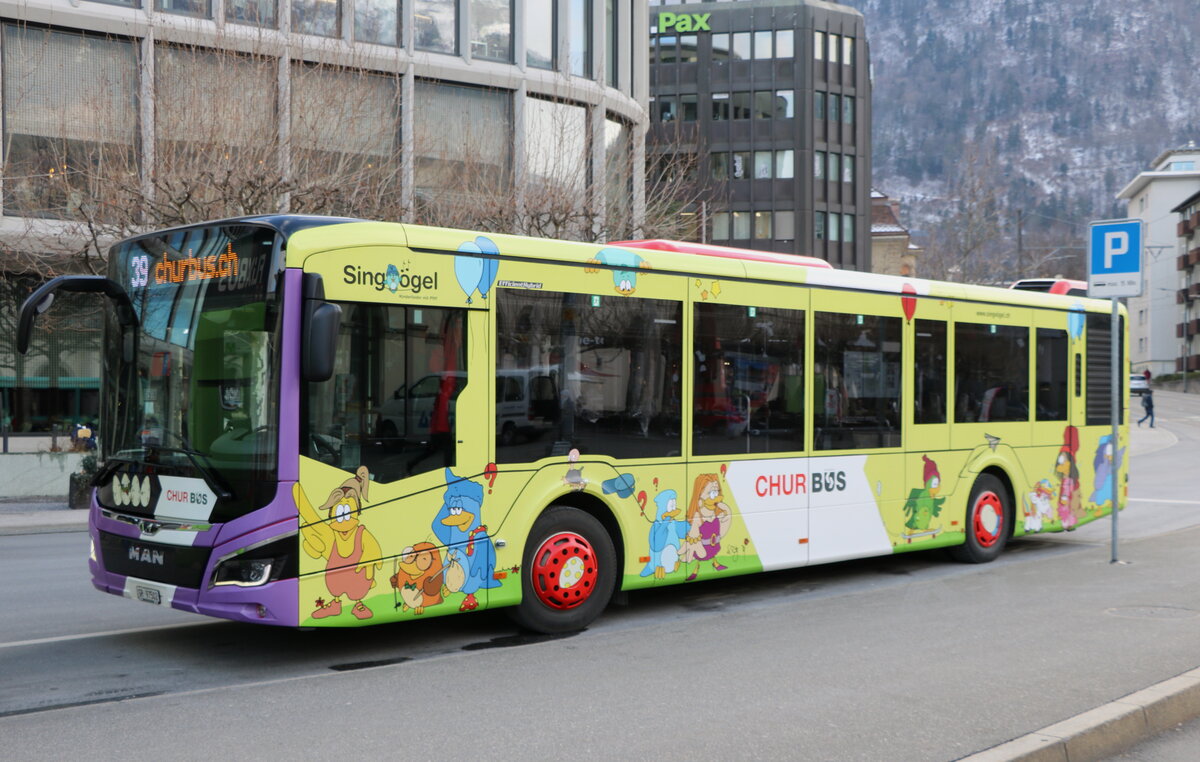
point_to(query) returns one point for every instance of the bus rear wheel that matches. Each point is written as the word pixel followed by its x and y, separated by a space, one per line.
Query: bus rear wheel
pixel 568 574
pixel 988 522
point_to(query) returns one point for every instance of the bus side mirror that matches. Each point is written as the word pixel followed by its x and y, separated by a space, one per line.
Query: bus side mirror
pixel 41 299
pixel 322 321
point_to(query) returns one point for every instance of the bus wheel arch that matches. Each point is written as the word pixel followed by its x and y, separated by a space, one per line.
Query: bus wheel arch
pixel 570 567
pixel 989 518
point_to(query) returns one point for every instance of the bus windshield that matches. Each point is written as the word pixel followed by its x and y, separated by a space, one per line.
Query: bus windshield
pixel 192 392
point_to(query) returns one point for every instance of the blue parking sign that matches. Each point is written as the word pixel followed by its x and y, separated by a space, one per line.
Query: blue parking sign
pixel 1115 258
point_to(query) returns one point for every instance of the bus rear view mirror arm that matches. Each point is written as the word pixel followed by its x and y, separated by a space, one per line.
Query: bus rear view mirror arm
pixel 41 299
pixel 322 321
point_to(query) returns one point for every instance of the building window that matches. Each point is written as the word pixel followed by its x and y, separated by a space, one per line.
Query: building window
pixel 819 46
pixel 834 171
pixel 784 104
pixel 848 109
pixel 580 37
pixel 847 168
pixel 762 225
pixel 834 41
pixel 541 21
pixel 199 8
pixel 762 165
pixel 689 47
pixel 688 103
pixel 256 12
pixel 833 107
pixel 848 51
pixel 741 46
pixel 720 47
pixel 720 226
pixel 741 105
pixel 58 155
pixel 741 165
pixel 819 225
pixel 319 17
pixel 784 43
pixel 848 228
pixel 719 163
pixel 463 138
pixel 667 110
pixel 610 37
pixel 720 107
pixel 377 21
pixel 785 226
pixel 764 104
pixel 818 105
pixel 491 30
pixel 835 225
pixel 785 163
pixel 819 165
pixel 762 45
pixel 741 226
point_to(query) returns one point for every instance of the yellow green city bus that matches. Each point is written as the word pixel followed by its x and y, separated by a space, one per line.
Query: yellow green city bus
pixel 314 421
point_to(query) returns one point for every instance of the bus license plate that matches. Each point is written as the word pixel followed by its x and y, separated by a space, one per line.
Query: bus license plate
pixel 149 595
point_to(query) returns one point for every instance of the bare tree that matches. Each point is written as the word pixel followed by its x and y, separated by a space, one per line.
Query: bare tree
pixel 966 244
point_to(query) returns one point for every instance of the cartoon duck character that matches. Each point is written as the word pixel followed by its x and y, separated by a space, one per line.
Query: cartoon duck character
pixel 419 577
pixel 708 519
pixel 665 535
pixel 574 476
pixel 1038 506
pixel 1105 463
pixel 1069 507
pixel 625 264
pixel 923 504
pixel 467 543
pixel 351 552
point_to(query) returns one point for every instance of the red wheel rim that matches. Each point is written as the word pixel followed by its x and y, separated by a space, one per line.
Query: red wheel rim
pixel 564 571
pixel 988 519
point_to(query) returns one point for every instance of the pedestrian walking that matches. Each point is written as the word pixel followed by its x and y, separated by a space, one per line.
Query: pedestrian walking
pixel 1148 406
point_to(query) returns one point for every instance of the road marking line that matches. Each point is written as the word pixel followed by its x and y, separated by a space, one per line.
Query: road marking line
pixel 1162 500
pixel 86 635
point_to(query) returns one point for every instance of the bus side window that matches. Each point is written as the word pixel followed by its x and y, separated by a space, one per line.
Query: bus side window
pixel 929 371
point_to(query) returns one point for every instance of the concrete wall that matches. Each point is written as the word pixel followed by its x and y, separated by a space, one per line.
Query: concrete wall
pixel 37 474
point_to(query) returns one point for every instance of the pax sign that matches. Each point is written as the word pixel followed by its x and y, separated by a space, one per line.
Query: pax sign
pixel 684 22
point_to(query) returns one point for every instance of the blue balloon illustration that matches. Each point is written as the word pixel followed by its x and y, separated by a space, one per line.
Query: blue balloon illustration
pixel 1075 320
pixel 622 484
pixel 490 266
pixel 468 270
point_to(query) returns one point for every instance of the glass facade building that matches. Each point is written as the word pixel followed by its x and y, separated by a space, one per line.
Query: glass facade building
pixel 530 97
pixel 773 100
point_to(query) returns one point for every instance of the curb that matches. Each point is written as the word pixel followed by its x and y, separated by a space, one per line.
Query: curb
pixel 1107 729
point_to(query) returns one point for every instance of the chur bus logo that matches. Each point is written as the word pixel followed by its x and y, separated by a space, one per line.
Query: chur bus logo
pixel 133 491
pixel 146 555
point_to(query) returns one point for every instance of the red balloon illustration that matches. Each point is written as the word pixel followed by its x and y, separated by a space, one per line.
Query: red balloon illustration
pixel 908 302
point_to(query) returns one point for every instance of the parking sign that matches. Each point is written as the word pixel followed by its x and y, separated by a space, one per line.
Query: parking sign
pixel 1115 258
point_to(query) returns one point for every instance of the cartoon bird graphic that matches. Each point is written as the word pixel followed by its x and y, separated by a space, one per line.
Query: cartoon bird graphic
pixel 419 577
pixel 1104 464
pixel 459 528
pixel 626 265
pixel 351 552
pixel 923 504
pixel 666 534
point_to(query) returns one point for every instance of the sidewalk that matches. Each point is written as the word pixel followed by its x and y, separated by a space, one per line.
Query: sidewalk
pixel 37 517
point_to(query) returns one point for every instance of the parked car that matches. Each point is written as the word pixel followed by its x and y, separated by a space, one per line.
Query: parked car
pixel 1138 384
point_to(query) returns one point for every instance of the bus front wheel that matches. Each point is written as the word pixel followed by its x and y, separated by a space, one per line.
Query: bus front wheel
pixel 568 574
pixel 988 522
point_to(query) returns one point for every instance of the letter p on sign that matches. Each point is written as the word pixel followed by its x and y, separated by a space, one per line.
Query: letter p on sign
pixel 1116 243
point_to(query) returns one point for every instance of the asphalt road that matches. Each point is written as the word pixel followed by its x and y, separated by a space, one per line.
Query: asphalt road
pixel 899 658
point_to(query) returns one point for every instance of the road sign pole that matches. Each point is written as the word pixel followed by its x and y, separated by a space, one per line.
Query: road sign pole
pixel 1117 385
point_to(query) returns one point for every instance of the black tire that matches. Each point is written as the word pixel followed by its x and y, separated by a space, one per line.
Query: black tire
pixel 565 544
pixel 988 522
pixel 508 434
